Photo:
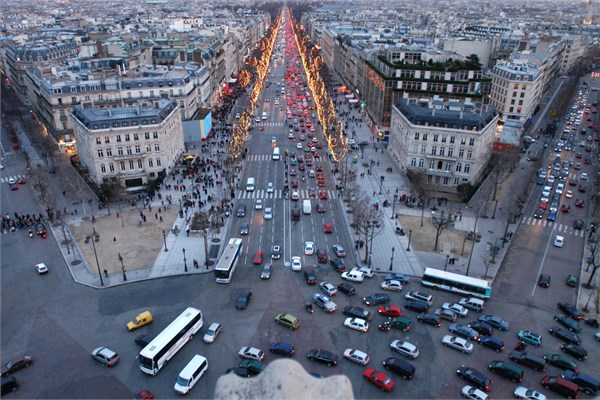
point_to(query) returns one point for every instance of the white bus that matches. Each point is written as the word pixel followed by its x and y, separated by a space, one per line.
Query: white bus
pixel 228 261
pixel 160 350
pixel 452 282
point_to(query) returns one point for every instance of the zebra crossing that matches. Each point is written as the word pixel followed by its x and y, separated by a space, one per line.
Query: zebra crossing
pixel 564 229
pixel 259 157
pixel 5 179
pixel 278 194
pixel 270 124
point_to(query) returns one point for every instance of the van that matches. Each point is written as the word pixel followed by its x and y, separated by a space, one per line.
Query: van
pixel 400 367
pixel 250 185
pixel 507 370
pixel 241 211
pixel 276 153
pixel 561 386
pixel 191 374
pixel 264 116
pixel 472 303
pixel 353 276
pixel 584 382
pixel 529 360
pixel 306 206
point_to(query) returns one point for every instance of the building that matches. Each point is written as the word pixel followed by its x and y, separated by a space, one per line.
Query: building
pixel 130 145
pixel 450 142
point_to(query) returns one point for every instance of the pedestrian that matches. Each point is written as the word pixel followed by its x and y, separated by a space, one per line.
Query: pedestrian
pixel 161 219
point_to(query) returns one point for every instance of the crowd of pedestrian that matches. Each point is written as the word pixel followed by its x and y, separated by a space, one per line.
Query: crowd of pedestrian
pixel 21 221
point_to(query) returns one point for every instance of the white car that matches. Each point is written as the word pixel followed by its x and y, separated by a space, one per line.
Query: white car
pixel 405 348
pixel 268 213
pixel 299 145
pixel 457 343
pixel 270 187
pixel 457 308
pixel 530 394
pixel 251 353
pixel 357 324
pixel 367 272
pixel 357 356
pixel 391 285
pixel 12 181
pixel 259 204
pixel 41 268
pixel 309 248
pixel 211 334
pixel 470 392
pixel 328 288
pixel 353 276
pixel 295 195
pixel 559 241
pixel 296 264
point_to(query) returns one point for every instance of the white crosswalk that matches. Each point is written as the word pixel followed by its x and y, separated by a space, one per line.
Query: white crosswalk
pixel 270 124
pixel 564 229
pixel 277 194
pixel 259 157
pixel 5 179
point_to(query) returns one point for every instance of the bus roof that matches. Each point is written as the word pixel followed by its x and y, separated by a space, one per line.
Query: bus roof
pixel 228 254
pixel 169 332
pixel 456 277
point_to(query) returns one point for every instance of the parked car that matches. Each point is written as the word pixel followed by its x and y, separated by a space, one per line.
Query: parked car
pixel 565 335
pixel 457 308
pixel 405 348
pixel 404 279
pixel 376 298
pixel 430 319
pixel 457 343
pixel 16 363
pixel 494 321
pixel 391 285
pixel 482 328
pixel 379 379
pixel 323 356
pixel 568 322
pixel 464 331
pixel 491 342
pixel 470 392
pixel 105 356
pixel 416 305
pixel 528 394
pixel 357 312
pixel 357 324
pixel 251 353
pixel 214 330
pixel 570 310
pixel 357 356
pixel 530 337
pixel 561 361
pixel 575 351
pixel 143 340
pixel 282 348
pixel 287 320
pixel 390 311
pixel 347 289
pixel 475 377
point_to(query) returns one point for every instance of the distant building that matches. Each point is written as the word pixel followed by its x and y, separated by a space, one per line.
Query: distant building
pixel 130 145
pixel 449 142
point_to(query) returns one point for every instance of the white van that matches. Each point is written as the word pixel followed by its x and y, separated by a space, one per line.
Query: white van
pixel 191 374
pixel 264 115
pixel 250 185
pixel 306 206
pixel 353 276
pixel 472 303
pixel 276 153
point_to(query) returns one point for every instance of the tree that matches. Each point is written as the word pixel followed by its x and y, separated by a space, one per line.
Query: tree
pixel 593 259
pixel 367 220
pixel 418 178
pixel 201 222
pixel 440 223
pixel 111 192
pixel 473 61
pixel 502 164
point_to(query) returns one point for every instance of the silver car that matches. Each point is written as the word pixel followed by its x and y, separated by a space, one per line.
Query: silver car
pixel 266 271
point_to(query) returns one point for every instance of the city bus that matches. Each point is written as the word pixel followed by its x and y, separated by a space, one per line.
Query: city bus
pixel 452 282
pixel 228 261
pixel 162 348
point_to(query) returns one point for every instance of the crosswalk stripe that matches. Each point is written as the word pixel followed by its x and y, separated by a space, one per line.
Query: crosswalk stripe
pixel 15 177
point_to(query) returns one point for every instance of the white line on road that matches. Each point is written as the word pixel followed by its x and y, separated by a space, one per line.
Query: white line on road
pixel 541 265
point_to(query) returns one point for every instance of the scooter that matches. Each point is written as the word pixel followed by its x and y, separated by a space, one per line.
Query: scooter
pixel 309 308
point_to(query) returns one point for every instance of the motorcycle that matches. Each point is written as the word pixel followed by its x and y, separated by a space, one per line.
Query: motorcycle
pixel 385 326
pixel 309 308
pixel 30 234
pixel 520 346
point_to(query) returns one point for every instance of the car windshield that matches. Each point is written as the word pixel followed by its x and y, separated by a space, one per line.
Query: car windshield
pixel 182 381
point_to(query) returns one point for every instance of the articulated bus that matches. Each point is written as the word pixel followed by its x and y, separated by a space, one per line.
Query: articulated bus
pixel 452 282
pixel 160 350
pixel 228 261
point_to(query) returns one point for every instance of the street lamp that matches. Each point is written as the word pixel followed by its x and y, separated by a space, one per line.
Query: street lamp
pixel 96 237
pixel 122 267
pixel 409 237
pixel 184 261
pixel 394 206
pixel 447 258
pixel 165 240
pixel 381 178
pixel 392 259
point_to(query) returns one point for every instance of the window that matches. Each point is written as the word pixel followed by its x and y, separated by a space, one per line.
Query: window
pixel 140 164
pixel 450 151
pixel 446 179
pixel 150 163
pixel 148 148
pixel 155 135
pixel 447 167
pixel 111 167
pixel 127 137
pixel 456 181
pixel 461 153
pixel 469 153
pixel 424 136
pixel 458 167
pixel 442 151
pixel 136 136
pixel 118 138
pixel 451 139
pixel 415 148
pixel 433 150
pixel 106 139
pixel 435 138
pixel 421 163
pixel 122 165
pixel 416 135
pixel 413 162
pixel 130 164
pixel 98 140
pixel 109 152
pixel 156 147
pixel 467 168
pixel 463 140
pixel 100 153
pixel 120 151
pixel 444 138
pixel 158 163
pixel 472 142
pixel 423 148
pixel 138 149
pixel 103 168
pixel 431 164
pixel 147 135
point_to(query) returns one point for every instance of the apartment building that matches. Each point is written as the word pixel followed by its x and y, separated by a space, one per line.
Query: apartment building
pixel 129 145
pixel 449 141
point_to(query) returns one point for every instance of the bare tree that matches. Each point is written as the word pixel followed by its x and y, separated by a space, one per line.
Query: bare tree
pixel 367 220
pixel 593 259
pixel 111 192
pixel 202 223
pixel 440 223
pixel 418 178
pixel 502 164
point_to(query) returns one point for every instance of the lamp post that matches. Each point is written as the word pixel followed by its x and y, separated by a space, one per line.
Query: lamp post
pixel 381 178
pixel 447 258
pixel 96 237
pixel 392 259
pixel 122 267
pixel 409 237
pixel 165 240
pixel 184 260
pixel 394 206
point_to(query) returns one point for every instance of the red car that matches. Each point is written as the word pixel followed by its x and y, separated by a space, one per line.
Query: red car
pixel 579 203
pixel 379 379
pixel 390 311
pixel 543 204
pixel 258 258
pixel 328 228
pixel 319 168
pixel 294 183
pixel 143 394
pixel 578 155
pixel 21 181
pixel 323 195
pixel 322 256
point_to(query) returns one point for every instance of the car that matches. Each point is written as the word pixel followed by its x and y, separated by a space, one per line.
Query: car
pixel 295 195
pixel 243 300
pixel 544 280
pixel 324 302
pixel 464 331
pixel 251 353
pixel 565 208
pixel 494 321
pixel 276 252
pixel 251 367
pixel 322 256
pixel 295 183
pixel 379 379
pixel 404 279
pixel 338 265
pixel 353 276
pixel 105 356
pixel 323 356
pixel 357 356
pixel 327 228
pixel 522 392
pixel 569 194
pixel 430 319
pixel 357 324
pixel 12 181
pixel 323 194
pixel 296 264
pixel 214 330
pixel 287 320
pixel 339 251
pixel 561 361
pixel 258 258
pixel 143 318
pixel 391 285
pixel 299 146
pixel 446 314
pixel 416 305
pixel 41 268
pixel 270 187
pixel 366 271
pixel 40 229
pixel 472 303
pixel 475 377
pixel 539 213
pixel 321 208
pixel 421 296
pixel 309 248
pixel 565 335
pixel 457 343
pixel 245 229
pixel 310 277
pixel 543 204
pixel 578 224
pixel 405 348
pixel 347 289
pixel 258 205
pixel 268 213
pixel 559 241
pixel 552 214
pixel 15 364
pixel 456 308
pixel 143 394
pixel 357 312
pixel 507 370
pixel 584 382
pixel 470 392
pixel 529 337
pixel 143 340
pixel 282 348
pixel 390 311
pixel 376 299
pixel 266 271
pixel 491 342
pixel 328 288
pixel 482 328
pixel 568 322
pixel 528 360
pixel 575 351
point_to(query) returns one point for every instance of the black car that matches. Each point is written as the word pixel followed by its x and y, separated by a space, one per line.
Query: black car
pixel 493 343
pixel 338 265
pixel 463 331
pixel 482 328
pixel 565 335
pixel 494 321
pixel 561 361
pixel 323 356
pixel 310 276
pixel 570 310
pixel 282 348
pixel 357 312
pixel 397 277
pixel 400 367
pixel 347 289
pixel 568 322
pixel 507 370
pixel 475 377
pixel 416 305
pixel 539 214
pixel 430 319
pixel 15 364
pixel 573 350
pixel 243 301
pixel 143 340
pixel 376 298
pixel 239 371
pixel 528 360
